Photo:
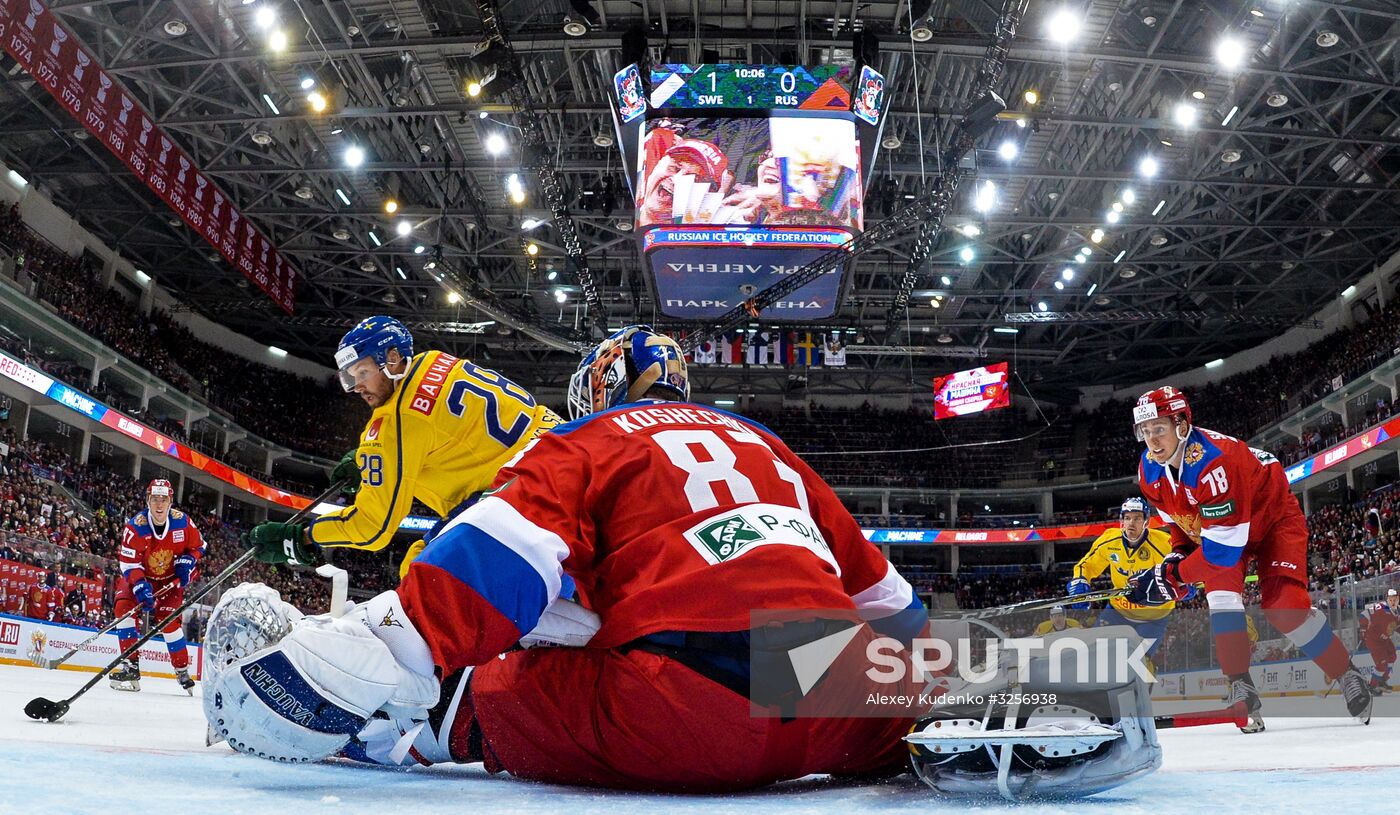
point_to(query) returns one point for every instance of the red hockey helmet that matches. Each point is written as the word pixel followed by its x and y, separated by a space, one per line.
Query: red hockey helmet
pixel 1160 403
pixel 160 487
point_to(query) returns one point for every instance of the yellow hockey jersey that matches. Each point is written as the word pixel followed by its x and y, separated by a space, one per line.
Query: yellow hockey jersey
pixel 441 437
pixel 1048 626
pixel 1109 553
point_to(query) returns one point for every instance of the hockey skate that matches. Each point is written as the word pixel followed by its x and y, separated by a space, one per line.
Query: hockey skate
pixel 182 675
pixel 1357 695
pixel 126 677
pixel 1243 692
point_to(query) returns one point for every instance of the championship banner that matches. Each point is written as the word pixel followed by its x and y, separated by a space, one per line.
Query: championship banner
pixel 35 38
pixel 971 391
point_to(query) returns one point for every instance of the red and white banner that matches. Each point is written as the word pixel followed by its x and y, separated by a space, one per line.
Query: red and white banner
pixel 971 391
pixel 35 38
pixel 21 635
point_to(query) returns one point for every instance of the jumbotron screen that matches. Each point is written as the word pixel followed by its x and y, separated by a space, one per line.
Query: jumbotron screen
pixel 729 205
pixel 972 391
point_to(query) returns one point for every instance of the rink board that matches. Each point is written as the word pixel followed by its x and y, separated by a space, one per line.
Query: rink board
pixel 19 635
pixel 1299 677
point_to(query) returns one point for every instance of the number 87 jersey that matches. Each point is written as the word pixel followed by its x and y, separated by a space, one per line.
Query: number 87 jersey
pixel 442 437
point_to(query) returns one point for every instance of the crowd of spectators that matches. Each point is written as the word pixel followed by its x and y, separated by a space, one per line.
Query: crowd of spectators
pixel 64 516
pixel 291 410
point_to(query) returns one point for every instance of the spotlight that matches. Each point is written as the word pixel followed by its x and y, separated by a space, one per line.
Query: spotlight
pixel 277 40
pixel 1063 26
pixel 946 280
pixel 391 206
pixel 1229 52
pixel 354 156
pixel 986 197
pixel 970 230
pixel 317 101
pixel 1031 97
pixel 1117 206
pixel 560 296
pixel 419 249
pixel 1059 285
pixel 967 254
pixel 495 144
pixel 403 228
pixel 1128 196
pixel 1198 95
pixel 1096 236
pixel 1148 167
pixel 1067 273
pixel 307 83
pixel 1007 150
pixel 473 89
pixel 264 17
pixel 454 298
pixel 532 249
pixel 574 27
pixel 1042 306
pixel 1112 217
pixel 1185 114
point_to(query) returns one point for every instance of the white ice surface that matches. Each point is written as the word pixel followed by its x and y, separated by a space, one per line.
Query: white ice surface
pixel 144 754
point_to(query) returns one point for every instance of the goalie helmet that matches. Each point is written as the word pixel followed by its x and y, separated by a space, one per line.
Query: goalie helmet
pixel 1162 403
pixel 623 367
pixel 372 337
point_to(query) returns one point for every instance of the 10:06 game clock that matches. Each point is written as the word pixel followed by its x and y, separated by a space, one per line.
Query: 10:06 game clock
pixel 750 87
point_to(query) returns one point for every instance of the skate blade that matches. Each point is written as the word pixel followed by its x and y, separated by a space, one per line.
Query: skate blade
pixel 130 687
pixel 1256 724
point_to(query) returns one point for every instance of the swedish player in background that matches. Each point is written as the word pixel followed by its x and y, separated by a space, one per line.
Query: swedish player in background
pixel 440 430
pixel 1124 552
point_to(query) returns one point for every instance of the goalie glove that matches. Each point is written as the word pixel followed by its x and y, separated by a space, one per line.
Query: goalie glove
pixel 1161 584
pixel 305 697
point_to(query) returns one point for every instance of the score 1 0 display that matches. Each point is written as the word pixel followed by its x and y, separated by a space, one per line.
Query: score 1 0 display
pixel 751 87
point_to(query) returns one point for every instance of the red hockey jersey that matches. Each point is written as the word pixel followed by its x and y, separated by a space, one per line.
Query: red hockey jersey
pixel 1378 623
pixel 45 603
pixel 150 555
pixel 1226 496
pixel 667 517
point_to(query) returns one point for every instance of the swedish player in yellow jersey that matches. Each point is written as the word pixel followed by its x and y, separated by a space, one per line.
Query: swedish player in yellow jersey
pixel 1059 621
pixel 440 430
pixel 1123 552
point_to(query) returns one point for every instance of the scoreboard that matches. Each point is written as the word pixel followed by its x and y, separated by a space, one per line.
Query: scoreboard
pixel 751 87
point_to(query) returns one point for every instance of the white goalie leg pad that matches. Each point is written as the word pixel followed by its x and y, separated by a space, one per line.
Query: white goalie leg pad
pixel 565 623
pixel 303 698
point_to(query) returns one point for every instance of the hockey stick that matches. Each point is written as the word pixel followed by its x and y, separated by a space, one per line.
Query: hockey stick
pixel 1032 605
pixel 52 664
pixel 49 710
pixel 1234 715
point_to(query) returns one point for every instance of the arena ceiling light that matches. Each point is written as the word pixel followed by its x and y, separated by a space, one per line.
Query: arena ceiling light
pixel 453 298
pixel 317 101
pixel 1007 150
pixel 419 249
pixel 970 230
pixel 1184 114
pixel 339 193
pixel 560 296
pixel 1229 52
pixel 354 156
pixel 495 144
pixel 1067 273
pixel 966 254
pixel 1159 206
pixel 1001 329
pixel 1096 236
pixel 307 83
pixel 1059 285
pixel 986 197
pixel 1043 306
pixel 1063 26
pixel 1031 98
pixel 1215 363
pixel 1148 167
pixel 374 239
pixel 1112 217
pixel 391 206
pixel 1231 115
pixel 403 228
pixel 946 280
pixel 277 41
pixel 272 106
pixel 1129 197
pixel 265 17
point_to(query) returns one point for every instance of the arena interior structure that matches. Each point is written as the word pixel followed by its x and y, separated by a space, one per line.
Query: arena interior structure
pixel 1160 192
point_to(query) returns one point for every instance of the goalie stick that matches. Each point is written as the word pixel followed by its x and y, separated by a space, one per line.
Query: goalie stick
pixel 52 664
pixel 51 711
